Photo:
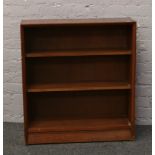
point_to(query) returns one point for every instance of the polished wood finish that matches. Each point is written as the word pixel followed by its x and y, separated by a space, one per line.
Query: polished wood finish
pixel 78 37
pixel 77 53
pixel 78 87
pixel 93 21
pixel 60 70
pixel 80 136
pixel 78 125
pixel 67 105
pixel 78 80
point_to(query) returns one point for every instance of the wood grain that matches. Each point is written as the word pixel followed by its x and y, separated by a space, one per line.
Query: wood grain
pixel 78 87
pixel 78 124
pixel 77 53
pixel 88 136
pixel 78 80
pixel 76 21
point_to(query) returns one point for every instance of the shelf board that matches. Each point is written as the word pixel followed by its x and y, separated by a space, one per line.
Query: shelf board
pixel 77 53
pixel 78 125
pixel 94 21
pixel 78 86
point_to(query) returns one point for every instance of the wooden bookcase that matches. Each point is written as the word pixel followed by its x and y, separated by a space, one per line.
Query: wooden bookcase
pixel 78 80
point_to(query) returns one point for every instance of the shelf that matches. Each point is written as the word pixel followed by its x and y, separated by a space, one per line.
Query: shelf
pixel 77 53
pixel 78 87
pixel 94 21
pixel 78 125
pixel 78 80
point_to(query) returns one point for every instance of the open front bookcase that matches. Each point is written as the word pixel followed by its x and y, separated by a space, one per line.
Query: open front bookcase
pixel 78 80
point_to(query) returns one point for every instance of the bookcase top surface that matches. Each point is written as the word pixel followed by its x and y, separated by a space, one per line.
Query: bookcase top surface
pixel 76 21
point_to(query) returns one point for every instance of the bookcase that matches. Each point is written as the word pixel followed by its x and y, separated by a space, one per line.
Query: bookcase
pixel 78 80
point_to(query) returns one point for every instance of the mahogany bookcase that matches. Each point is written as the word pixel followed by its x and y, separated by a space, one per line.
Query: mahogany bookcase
pixel 78 80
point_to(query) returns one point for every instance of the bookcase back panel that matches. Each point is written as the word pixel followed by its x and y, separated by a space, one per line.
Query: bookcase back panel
pixel 78 69
pixel 74 37
pixel 73 105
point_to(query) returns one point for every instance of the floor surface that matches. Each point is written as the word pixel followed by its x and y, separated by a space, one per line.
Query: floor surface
pixel 14 144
